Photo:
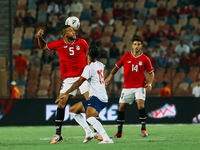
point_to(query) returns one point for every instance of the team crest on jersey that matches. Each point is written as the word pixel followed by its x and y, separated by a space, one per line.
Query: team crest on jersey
pixel 140 63
pixel 78 47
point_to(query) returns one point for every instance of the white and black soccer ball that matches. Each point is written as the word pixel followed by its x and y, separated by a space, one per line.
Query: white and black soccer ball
pixel 73 21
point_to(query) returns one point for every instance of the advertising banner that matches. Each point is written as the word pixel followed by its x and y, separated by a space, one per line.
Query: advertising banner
pixel 25 112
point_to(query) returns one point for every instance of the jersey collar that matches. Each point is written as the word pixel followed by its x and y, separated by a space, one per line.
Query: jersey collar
pixel 68 43
pixel 136 56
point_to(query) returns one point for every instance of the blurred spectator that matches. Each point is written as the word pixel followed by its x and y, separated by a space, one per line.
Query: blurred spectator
pixel 118 13
pixel 128 12
pixel 151 57
pixel 188 26
pixel 185 59
pixel 197 37
pixel 103 53
pixel 160 35
pixel 15 94
pixel 172 34
pixel 29 20
pixel 35 59
pixel 165 91
pixel 85 37
pixel 65 7
pixel 53 8
pixel 194 13
pixel 21 66
pixel 162 60
pixel 161 12
pixel 194 60
pixel 173 12
pixel 182 48
pixel 114 52
pixel 39 2
pixel 171 20
pixel 188 38
pixel 53 19
pixel 185 11
pixel 96 36
pixel 106 20
pixel 148 35
pixel 94 19
pixel 19 20
pixel 196 90
pixel 46 58
pixel 50 38
pixel 174 60
pixel 50 28
pixel 187 80
pixel 76 8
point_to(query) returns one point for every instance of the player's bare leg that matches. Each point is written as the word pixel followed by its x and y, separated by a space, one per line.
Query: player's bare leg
pixel 86 95
pixel 142 116
pixel 91 115
pixel 59 119
pixel 120 120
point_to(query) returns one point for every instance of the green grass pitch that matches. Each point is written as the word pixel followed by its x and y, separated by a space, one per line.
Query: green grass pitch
pixel 161 137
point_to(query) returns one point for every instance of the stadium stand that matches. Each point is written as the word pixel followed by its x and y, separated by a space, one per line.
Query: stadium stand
pixel 44 81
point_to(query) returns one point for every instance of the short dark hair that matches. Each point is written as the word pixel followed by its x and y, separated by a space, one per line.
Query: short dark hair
pixel 64 27
pixel 93 51
pixel 164 83
pixel 137 38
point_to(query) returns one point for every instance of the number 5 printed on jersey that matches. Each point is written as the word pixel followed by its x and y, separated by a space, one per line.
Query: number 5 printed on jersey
pixel 100 73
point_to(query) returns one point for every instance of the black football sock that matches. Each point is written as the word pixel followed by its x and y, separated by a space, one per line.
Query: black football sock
pixel 59 120
pixel 142 117
pixel 120 121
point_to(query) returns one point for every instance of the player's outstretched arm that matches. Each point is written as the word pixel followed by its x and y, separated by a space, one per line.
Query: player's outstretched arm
pixel 149 84
pixel 71 89
pixel 112 73
pixel 41 42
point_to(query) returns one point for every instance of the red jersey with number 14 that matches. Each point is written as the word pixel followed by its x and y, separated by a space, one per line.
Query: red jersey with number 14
pixel 72 56
pixel 134 68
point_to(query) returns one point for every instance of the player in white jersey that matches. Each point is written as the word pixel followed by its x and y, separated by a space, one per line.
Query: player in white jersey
pixel 93 73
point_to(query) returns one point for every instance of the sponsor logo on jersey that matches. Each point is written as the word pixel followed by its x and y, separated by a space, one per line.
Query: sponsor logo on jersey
pixel 65 46
pixel 78 47
pixel 140 63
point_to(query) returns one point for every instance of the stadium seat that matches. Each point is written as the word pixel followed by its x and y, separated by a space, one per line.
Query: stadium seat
pixel 42 94
pixel 183 86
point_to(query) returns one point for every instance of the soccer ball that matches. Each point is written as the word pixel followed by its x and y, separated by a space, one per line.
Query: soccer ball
pixel 73 21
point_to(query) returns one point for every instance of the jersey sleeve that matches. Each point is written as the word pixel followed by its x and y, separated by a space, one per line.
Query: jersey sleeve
pixel 52 45
pixel 86 74
pixel 120 63
pixel 148 65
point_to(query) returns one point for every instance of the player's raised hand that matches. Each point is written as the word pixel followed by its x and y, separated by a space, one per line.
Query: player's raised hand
pixel 61 96
pixel 148 87
pixel 40 32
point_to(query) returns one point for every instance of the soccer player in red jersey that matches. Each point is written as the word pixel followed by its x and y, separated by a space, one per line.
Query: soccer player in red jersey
pixel 135 86
pixel 72 54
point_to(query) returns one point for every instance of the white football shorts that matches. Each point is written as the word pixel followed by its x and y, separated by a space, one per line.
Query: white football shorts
pixel 129 95
pixel 68 82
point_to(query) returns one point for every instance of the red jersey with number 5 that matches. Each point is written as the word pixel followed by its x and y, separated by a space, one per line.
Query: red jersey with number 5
pixel 72 56
pixel 134 68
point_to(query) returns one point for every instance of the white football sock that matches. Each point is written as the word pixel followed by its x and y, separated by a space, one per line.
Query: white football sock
pixel 82 122
pixel 98 126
